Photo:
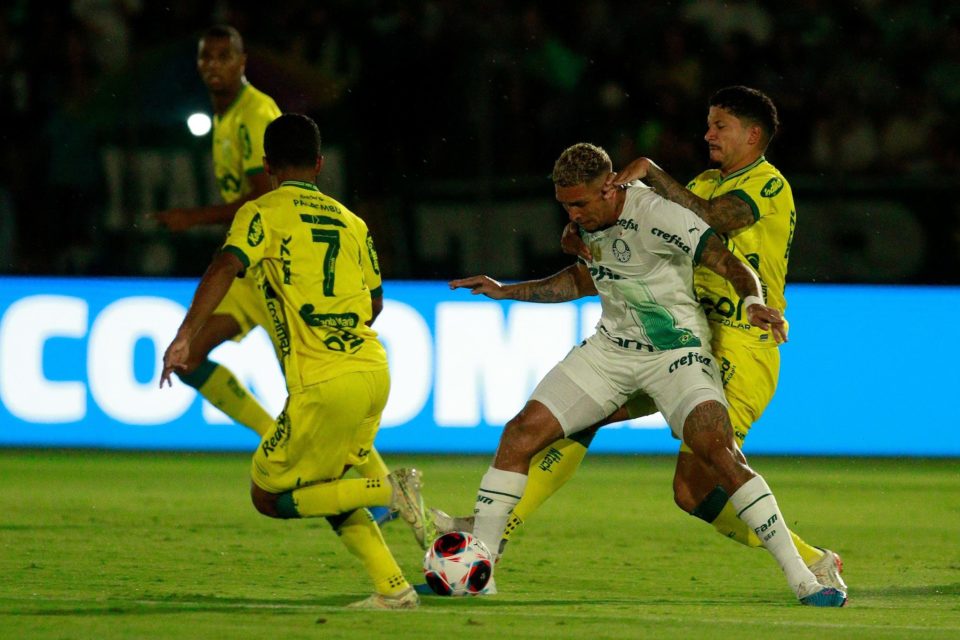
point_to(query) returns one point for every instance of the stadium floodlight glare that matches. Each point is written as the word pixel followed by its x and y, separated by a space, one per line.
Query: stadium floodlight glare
pixel 199 124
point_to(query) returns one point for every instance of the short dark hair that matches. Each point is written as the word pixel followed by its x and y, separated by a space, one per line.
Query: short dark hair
pixel 749 104
pixel 292 140
pixel 225 31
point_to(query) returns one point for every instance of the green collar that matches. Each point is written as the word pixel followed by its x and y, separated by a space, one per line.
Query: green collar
pixel 298 183
pixel 740 172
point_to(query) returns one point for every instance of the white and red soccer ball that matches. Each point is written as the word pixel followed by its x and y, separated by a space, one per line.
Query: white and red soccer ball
pixel 457 564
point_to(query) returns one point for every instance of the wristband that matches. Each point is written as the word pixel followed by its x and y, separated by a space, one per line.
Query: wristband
pixel 749 300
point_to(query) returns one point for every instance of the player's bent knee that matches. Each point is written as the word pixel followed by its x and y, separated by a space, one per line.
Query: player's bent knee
pixel 527 437
pixel 273 505
pixel 682 498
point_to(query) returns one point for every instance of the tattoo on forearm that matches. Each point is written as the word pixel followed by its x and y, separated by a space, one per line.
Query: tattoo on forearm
pixel 726 213
pixel 718 259
pixel 560 287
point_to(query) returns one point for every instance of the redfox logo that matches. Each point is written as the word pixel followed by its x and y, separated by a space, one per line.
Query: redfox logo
pixel 280 433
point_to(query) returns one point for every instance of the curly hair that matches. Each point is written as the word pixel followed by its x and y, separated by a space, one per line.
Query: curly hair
pixel 580 164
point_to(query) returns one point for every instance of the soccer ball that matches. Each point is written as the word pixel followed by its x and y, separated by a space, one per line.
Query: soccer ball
pixel 457 564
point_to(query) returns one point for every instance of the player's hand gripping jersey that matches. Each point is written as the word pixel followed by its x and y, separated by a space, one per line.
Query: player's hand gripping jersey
pixel 643 269
pixel 764 245
pixel 319 268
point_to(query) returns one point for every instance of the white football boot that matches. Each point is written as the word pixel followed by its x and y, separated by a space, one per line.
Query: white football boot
pixel 828 569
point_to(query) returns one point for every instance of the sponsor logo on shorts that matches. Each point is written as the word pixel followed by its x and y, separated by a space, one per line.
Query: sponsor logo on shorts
pixel 691 358
pixel 281 433
pixel 727 370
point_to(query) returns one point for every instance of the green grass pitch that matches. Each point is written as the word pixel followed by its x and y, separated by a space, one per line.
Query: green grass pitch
pixel 139 545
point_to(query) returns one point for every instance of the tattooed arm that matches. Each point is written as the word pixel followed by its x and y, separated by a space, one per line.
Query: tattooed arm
pixel 569 284
pixel 717 258
pixel 725 213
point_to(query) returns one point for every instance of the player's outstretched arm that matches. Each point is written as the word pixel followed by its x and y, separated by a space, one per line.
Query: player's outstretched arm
pixel 717 258
pixel 182 219
pixel 571 283
pixel 211 290
pixel 726 213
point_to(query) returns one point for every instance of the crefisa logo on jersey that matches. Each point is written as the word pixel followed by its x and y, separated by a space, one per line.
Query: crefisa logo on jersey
pixel 621 251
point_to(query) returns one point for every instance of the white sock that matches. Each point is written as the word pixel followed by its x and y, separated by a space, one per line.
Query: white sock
pixel 499 493
pixel 757 507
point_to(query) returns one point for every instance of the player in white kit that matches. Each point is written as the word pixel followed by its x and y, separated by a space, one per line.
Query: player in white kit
pixel 652 336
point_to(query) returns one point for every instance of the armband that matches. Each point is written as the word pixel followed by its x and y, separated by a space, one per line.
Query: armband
pixel 749 300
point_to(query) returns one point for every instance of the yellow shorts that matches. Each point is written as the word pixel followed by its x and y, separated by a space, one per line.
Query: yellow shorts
pixel 750 377
pixel 321 431
pixel 244 303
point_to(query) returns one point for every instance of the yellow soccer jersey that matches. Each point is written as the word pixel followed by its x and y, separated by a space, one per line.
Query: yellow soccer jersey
pixel 319 269
pixel 238 141
pixel 765 245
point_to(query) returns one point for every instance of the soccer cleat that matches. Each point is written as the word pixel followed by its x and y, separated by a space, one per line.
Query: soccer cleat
pixel 408 502
pixel 406 599
pixel 826 597
pixel 446 523
pixel 828 569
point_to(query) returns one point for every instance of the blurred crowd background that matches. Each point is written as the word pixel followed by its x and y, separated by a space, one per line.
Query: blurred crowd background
pixel 441 121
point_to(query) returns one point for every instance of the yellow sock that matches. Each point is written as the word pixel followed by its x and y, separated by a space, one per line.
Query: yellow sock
pixel 730 526
pixel 373 466
pixel 226 393
pixel 808 553
pixel 341 496
pixel 549 470
pixel 363 539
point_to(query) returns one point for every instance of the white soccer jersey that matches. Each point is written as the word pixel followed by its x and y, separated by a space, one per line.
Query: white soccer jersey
pixel 643 269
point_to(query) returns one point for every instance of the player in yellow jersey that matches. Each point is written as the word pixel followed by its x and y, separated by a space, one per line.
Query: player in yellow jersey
pixel 750 204
pixel 316 268
pixel 241 115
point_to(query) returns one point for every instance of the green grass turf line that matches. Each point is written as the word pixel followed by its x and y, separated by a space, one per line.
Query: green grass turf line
pixel 144 545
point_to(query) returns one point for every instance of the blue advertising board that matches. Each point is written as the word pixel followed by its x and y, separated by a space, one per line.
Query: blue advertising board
pixel 80 361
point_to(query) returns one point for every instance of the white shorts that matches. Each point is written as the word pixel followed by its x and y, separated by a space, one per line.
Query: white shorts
pixel 597 377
